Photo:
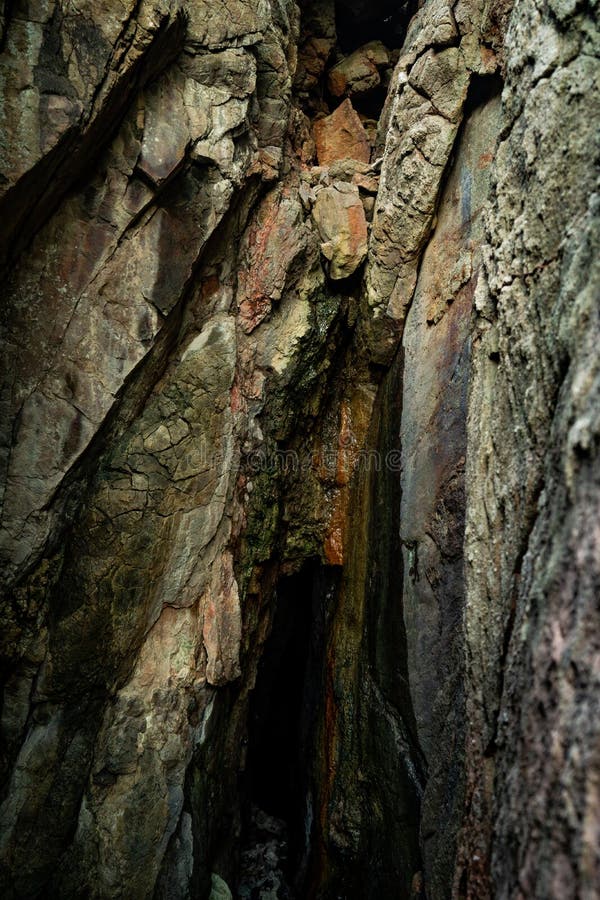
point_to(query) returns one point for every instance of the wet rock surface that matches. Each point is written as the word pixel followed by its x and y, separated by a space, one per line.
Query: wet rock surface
pixel 300 320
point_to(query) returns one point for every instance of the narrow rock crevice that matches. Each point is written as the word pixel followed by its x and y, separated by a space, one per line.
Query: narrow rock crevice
pixel 284 708
pixel 300 570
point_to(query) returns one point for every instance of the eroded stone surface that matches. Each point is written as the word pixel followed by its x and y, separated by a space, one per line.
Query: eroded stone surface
pixel 145 606
pixel 102 262
pixel 341 136
pixel 359 72
pixel 437 348
pixel 421 120
pixel 531 542
pixel 340 219
pixel 203 395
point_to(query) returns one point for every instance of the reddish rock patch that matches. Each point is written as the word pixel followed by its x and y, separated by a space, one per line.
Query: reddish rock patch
pixel 341 136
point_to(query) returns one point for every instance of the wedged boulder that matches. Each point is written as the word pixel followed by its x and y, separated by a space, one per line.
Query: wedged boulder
pixel 340 218
pixel 341 136
pixel 359 72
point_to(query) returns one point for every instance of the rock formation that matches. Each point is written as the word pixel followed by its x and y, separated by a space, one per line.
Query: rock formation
pixel 300 505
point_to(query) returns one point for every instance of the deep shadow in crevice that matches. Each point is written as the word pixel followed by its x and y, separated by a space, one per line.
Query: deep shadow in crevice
pixel 371 103
pixel 284 709
pixel 360 21
pixel 482 88
pixel 273 750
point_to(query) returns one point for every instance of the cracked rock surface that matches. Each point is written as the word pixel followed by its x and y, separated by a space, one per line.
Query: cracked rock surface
pixel 300 305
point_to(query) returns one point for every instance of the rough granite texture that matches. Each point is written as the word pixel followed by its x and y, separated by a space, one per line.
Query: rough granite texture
pixel 250 333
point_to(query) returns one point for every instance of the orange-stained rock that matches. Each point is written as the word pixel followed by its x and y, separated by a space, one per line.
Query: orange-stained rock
pixel 276 236
pixel 341 136
pixel 352 453
pixel 334 537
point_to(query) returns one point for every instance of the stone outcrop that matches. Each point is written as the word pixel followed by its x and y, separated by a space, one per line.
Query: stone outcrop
pixel 299 450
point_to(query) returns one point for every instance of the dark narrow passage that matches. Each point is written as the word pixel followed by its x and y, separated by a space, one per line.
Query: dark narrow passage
pixel 275 719
pixel 360 21
pixel 283 712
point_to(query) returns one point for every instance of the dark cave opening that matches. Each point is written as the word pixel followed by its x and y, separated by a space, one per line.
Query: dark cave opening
pixel 283 710
pixel 361 21
pixel 482 88
pixel 275 718
pixel 370 104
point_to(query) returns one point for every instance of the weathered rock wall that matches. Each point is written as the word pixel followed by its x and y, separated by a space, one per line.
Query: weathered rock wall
pixel 531 547
pixel 123 435
pixel 250 333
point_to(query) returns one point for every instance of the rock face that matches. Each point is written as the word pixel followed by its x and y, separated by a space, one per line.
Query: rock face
pixel 532 541
pixel 299 531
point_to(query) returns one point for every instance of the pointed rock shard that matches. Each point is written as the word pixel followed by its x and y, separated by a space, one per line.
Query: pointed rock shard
pixel 341 136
